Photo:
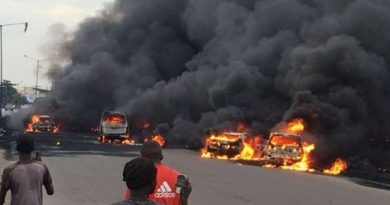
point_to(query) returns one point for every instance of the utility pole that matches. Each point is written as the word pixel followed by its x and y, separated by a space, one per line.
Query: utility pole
pixel 1 60
pixel 36 81
pixel 37 76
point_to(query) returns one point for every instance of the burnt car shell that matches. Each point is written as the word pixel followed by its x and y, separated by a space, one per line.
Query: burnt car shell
pixel 230 148
pixel 283 148
pixel 44 124
pixel 113 127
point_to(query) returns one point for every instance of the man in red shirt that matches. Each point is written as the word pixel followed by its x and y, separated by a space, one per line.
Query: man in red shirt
pixel 165 192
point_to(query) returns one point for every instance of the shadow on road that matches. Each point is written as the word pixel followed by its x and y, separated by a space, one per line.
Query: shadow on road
pixel 369 183
pixel 67 144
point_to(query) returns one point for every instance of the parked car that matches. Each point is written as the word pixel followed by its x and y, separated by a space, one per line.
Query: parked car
pixel 283 148
pixel 9 107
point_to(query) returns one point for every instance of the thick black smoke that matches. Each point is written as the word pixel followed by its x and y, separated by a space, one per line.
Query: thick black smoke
pixel 196 65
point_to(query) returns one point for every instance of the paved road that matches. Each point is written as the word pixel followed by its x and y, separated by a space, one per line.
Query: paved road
pixel 89 173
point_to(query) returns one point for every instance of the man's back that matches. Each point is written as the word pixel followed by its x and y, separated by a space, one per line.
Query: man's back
pixel 25 181
pixel 165 192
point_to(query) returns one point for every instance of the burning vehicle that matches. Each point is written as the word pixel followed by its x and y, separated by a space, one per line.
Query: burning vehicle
pixel 114 128
pixel 41 123
pixel 226 144
pixel 283 149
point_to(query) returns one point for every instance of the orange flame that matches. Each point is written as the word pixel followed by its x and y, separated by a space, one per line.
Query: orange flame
pixel 217 139
pixel 114 119
pixel 249 150
pixel 128 141
pixel 157 138
pixel 29 127
pixel 337 167
pixel 56 128
pixel 35 119
pixel 304 164
pixel 296 126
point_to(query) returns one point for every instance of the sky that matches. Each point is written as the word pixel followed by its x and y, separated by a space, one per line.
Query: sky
pixel 40 15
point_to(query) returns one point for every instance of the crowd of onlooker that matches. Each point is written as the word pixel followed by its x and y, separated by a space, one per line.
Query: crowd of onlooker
pixel 148 180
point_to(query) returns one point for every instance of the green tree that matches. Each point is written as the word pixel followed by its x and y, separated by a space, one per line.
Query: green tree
pixel 11 95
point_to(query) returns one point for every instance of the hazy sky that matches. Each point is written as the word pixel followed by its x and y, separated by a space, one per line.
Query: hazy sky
pixel 40 14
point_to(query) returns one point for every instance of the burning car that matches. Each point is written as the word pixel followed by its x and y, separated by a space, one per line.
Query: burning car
pixel 227 144
pixel 114 127
pixel 283 149
pixel 41 123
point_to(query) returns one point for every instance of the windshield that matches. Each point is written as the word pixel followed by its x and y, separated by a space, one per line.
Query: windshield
pixel 285 140
pixel 232 137
pixel 44 119
pixel 114 119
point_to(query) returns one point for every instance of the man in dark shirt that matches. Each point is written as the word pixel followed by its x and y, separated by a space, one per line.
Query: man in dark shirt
pixel 26 177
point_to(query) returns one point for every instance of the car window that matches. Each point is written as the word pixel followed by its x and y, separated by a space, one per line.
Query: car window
pixel 114 119
pixel 44 119
pixel 284 140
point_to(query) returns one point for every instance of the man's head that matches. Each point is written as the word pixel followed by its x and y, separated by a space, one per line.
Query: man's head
pixel 140 174
pixel 25 144
pixel 152 150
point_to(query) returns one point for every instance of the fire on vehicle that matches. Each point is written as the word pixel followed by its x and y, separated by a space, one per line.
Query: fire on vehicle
pixel 41 123
pixel 285 149
pixel 114 128
pixel 225 145
pixel 230 145
pixel 290 151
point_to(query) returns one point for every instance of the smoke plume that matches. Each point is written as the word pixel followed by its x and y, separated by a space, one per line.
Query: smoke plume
pixel 194 65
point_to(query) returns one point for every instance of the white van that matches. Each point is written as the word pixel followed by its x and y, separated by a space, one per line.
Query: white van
pixel 113 127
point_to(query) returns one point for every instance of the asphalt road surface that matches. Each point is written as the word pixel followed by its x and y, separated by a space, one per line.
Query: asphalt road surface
pixel 88 173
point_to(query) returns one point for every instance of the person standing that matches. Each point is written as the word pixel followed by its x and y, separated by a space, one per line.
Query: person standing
pixel 26 177
pixel 140 176
pixel 165 192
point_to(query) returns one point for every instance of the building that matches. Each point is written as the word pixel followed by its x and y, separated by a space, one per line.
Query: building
pixel 31 93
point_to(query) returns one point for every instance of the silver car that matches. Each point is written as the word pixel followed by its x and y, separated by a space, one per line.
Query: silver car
pixel 113 127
